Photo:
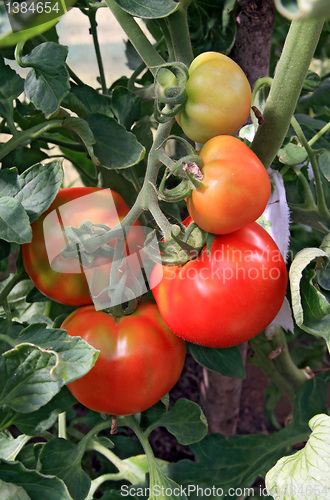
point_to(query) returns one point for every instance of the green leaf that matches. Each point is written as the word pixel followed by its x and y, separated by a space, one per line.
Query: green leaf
pixel 14 222
pixel 237 460
pixel 312 81
pixel 48 82
pixel 147 9
pixel 61 458
pixel 8 182
pixel 9 446
pixel 324 163
pixel 5 249
pixel 23 157
pixel 126 106
pixel 8 38
pixel 114 147
pixel 35 188
pixel 163 487
pixel 10 491
pixel 186 421
pixel 320 97
pixel 82 129
pixel 227 361
pixel 91 100
pixel 17 301
pixel 292 154
pixel 33 424
pixel 30 375
pixel 29 378
pixel 304 475
pixel 311 398
pixel 11 86
pixel 311 308
pixel 76 357
pixel 37 486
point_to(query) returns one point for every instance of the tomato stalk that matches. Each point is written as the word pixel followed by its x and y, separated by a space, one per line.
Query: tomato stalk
pixel 91 13
pixel 125 471
pixel 29 134
pixel 135 34
pixel 321 203
pixel 147 197
pixel 271 354
pixel 288 80
pixel 179 30
pixel 156 476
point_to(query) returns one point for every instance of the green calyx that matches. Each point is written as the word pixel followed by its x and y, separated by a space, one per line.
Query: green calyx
pixel 188 169
pixel 184 245
pixel 170 93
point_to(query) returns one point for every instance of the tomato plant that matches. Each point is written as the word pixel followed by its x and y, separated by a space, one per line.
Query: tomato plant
pixel 64 278
pixel 218 98
pixel 64 124
pixel 140 359
pixel 235 187
pixel 228 297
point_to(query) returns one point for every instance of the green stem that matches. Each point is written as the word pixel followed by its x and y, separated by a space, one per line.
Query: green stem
pixel 8 340
pixel 309 198
pixel 279 367
pixel 135 34
pixel 96 483
pixel 126 470
pixel 319 134
pixel 62 426
pixel 110 455
pixel 19 276
pixel 179 30
pixel 289 77
pixel 29 134
pixel 163 23
pixel 260 83
pixel 92 19
pixel 74 77
pixel 106 424
pixel 154 470
pixel 166 160
pixel 10 120
pixel 74 146
pixel 147 197
pixel 321 203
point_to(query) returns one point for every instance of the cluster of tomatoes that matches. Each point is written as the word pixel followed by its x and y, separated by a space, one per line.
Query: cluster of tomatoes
pixel 225 296
pixel 231 293
pixel 133 370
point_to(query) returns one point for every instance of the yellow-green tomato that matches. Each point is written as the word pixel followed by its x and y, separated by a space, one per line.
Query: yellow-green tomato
pixel 218 98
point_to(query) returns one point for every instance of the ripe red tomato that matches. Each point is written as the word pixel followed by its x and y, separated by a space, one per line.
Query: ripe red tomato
pixel 140 359
pixel 64 279
pixel 235 187
pixel 218 98
pixel 228 297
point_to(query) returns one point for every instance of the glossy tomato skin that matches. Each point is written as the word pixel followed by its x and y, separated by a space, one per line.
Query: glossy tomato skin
pixel 63 280
pixel 235 187
pixel 218 98
pixel 140 359
pixel 226 298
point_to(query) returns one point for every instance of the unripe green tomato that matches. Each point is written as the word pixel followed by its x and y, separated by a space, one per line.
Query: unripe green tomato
pixel 218 98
